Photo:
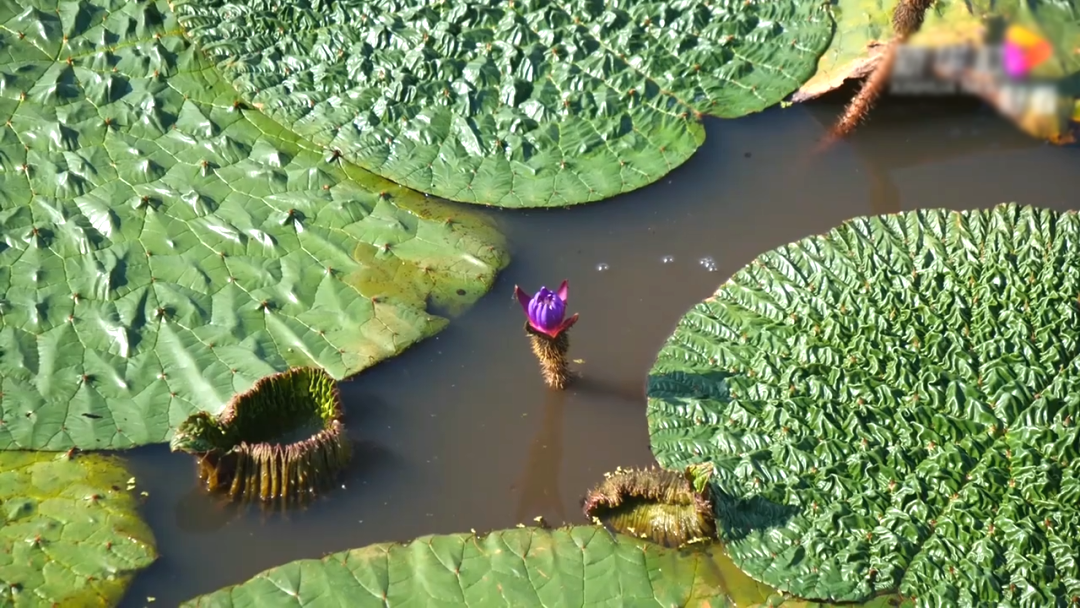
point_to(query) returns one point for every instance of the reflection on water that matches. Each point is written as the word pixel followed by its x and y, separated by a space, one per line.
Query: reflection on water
pixel 540 495
pixel 462 432
pixel 200 512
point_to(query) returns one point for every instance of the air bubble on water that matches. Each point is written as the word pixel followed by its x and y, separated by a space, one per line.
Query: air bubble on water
pixel 667 259
pixel 601 267
pixel 709 263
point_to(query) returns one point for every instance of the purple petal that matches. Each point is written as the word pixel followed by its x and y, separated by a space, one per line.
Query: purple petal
pixel 565 325
pixel 523 298
pixel 546 310
pixel 564 291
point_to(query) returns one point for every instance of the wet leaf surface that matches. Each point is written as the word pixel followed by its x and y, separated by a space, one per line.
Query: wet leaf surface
pixel 892 405
pixel 69 530
pixel 522 567
pixel 863 28
pixel 530 103
pixel 162 248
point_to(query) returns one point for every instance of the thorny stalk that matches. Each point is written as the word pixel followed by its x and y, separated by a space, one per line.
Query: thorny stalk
pixel 552 353
pixel 906 20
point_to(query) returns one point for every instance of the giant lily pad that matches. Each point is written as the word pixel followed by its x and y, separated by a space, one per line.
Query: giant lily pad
pixel 162 247
pixel 517 104
pixel 892 405
pixel 521 567
pixel 69 531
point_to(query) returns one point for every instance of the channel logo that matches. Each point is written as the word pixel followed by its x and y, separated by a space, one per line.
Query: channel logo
pixel 1023 51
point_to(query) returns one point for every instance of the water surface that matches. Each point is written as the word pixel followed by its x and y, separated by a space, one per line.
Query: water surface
pixel 459 432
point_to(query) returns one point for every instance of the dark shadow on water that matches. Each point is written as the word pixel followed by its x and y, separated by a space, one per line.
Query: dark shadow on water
pixel 598 387
pixel 364 409
pixel 540 482
pixel 369 459
pixel 200 512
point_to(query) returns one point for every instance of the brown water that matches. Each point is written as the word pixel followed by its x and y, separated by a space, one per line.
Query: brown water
pixel 460 433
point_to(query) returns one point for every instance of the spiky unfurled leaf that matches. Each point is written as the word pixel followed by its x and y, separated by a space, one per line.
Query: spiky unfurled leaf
pixel 652 503
pixel 280 442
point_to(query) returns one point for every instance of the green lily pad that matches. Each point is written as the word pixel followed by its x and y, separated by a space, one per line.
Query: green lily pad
pixel 162 247
pixel 863 28
pixel 524 103
pixel 69 530
pixel 951 22
pixel 893 405
pixel 521 567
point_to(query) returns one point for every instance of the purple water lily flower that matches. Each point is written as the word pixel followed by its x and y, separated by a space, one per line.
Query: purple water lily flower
pixel 547 309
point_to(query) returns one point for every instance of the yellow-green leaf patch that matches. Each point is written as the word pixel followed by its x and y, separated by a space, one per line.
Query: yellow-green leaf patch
pixel 69 530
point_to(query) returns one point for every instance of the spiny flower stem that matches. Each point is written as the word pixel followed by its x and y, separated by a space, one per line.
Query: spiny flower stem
pixel 907 18
pixel 554 364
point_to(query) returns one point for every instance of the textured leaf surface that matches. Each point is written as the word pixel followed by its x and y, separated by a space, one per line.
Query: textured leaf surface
pixel 69 531
pixel 161 249
pixel 518 104
pixel 863 27
pixel 884 601
pixel 892 404
pixel 519 568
